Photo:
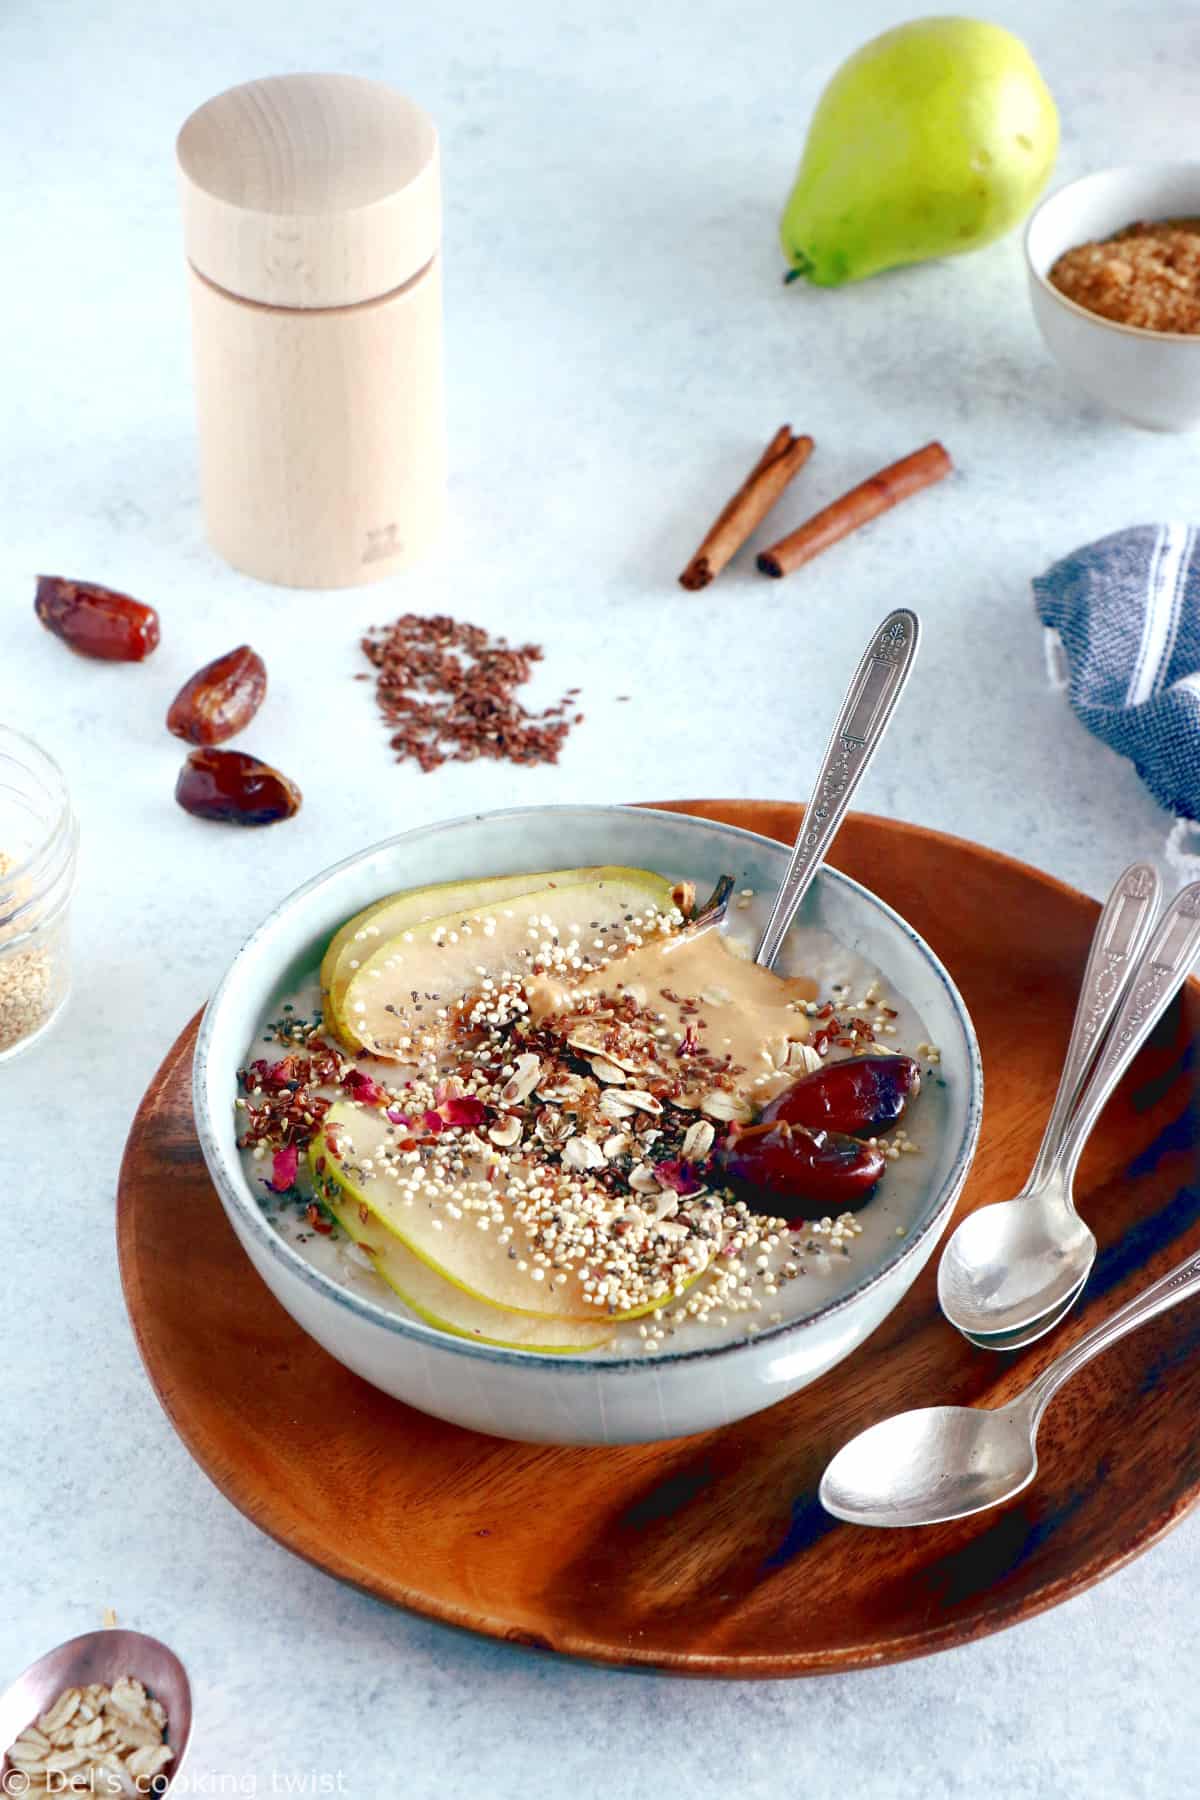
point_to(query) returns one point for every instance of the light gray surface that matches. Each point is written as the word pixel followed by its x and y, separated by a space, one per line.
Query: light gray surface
pixel 620 346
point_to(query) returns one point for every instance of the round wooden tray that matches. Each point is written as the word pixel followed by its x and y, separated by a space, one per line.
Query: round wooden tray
pixel 711 1555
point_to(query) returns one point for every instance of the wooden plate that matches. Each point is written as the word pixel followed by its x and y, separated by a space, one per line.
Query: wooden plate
pixel 710 1555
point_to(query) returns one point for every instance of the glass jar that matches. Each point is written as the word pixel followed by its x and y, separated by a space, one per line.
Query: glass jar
pixel 39 838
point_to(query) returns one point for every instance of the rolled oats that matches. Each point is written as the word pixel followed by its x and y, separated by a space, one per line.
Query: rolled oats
pixel 644 1102
pixel 803 1056
pixel 720 1105
pixel 95 1740
pixel 606 1071
pixel 616 1106
pixel 581 1153
pixel 698 1140
pixel 523 1079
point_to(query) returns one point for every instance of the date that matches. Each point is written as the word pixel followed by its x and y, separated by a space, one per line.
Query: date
pixel 795 1174
pixel 860 1096
pixel 220 699
pixel 235 788
pixel 96 621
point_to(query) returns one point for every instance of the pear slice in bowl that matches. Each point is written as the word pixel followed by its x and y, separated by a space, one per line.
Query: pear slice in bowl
pixel 371 928
pixel 358 1166
pixel 439 1302
pixel 396 1002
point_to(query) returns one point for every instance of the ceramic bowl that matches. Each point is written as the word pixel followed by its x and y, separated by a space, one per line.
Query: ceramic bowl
pixel 1149 377
pixel 575 1399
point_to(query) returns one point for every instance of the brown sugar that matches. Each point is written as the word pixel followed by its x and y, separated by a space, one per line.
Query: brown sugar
pixel 1147 275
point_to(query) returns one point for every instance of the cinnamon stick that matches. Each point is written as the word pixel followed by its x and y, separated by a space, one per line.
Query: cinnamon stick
pixel 783 458
pixel 876 495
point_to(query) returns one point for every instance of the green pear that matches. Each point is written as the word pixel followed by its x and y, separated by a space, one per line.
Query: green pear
pixel 932 139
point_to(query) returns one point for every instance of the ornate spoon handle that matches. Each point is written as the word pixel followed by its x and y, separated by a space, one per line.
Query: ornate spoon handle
pixel 1158 977
pixel 1121 934
pixel 878 683
pixel 1179 1283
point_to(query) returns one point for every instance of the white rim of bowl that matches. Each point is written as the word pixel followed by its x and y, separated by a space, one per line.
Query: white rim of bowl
pixel 1072 306
pixel 245 1205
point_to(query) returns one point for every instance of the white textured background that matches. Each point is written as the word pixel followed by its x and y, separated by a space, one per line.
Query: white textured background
pixel 619 348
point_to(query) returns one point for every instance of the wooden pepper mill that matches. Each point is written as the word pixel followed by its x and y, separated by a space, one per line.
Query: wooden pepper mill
pixel 312 223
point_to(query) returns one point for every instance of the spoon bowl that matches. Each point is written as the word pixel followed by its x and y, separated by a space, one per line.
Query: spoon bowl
pixel 101 1656
pixel 1011 1265
pixel 942 1462
pixel 1025 1334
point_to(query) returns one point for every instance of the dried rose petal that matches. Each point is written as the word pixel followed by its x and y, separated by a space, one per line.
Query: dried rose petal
pixel 396 1116
pixel 433 1121
pixel 466 1111
pixel 284 1165
pixel 680 1177
pixel 362 1088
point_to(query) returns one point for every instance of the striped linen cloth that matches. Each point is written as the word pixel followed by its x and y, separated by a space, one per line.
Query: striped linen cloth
pixel 1122 626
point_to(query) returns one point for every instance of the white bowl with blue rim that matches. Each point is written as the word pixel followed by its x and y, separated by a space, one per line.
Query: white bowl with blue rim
pixel 582 1399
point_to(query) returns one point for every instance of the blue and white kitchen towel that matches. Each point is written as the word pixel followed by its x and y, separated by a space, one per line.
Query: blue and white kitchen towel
pixel 1122 619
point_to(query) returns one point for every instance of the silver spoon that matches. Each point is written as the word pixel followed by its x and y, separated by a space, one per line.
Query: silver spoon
pixel 1119 939
pixel 1011 1264
pixel 102 1656
pixel 943 1462
pixel 1026 1334
pixel 866 713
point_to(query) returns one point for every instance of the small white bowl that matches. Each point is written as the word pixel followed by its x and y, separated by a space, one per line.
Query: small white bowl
pixel 1151 378
pixel 579 1399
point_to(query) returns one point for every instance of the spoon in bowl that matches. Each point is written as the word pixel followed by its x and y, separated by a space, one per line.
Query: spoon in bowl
pixel 944 1462
pixel 866 712
pixel 1011 1265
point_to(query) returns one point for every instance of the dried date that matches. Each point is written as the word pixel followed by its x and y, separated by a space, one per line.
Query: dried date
pixel 235 789
pixel 96 621
pixel 859 1095
pixel 784 1170
pixel 220 699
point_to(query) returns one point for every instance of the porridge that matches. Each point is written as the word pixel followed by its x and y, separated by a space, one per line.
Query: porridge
pixel 567 1113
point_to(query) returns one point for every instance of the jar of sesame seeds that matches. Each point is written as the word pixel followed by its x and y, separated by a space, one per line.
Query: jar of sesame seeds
pixel 39 838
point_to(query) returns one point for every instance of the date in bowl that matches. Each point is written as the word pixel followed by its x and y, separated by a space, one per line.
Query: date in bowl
pixel 600 1398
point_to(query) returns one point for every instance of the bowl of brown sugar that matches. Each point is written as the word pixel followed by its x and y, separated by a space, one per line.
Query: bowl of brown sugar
pixel 1114 279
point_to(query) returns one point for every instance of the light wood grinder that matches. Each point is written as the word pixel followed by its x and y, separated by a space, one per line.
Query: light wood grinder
pixel 312 224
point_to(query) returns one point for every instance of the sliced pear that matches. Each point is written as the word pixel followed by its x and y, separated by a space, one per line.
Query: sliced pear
pixel 440 1303
pixel 384 919
pixel 392 1001
pixel 354 1177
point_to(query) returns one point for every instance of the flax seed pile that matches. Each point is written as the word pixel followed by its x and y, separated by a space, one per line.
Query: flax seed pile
pixel 448 693
pixel 1147 275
